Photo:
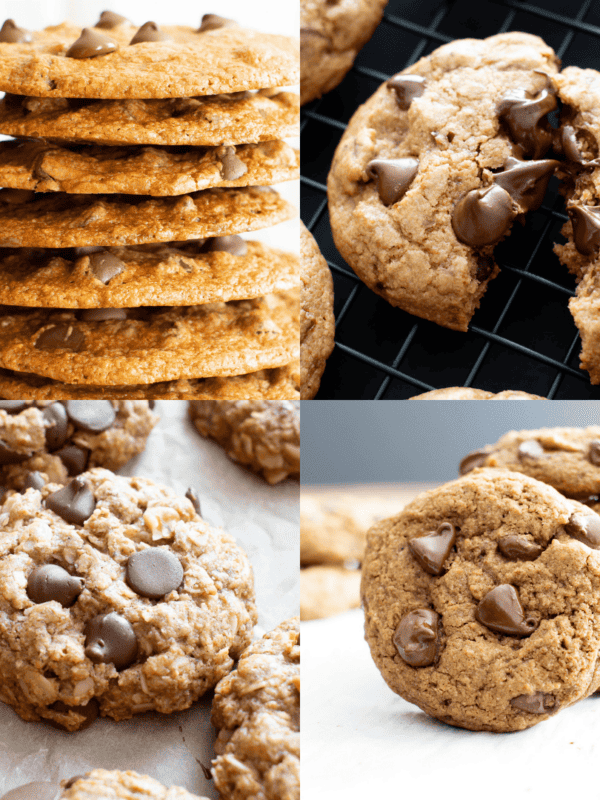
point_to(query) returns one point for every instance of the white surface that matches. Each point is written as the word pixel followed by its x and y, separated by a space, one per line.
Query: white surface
pixel 360 740
pixel 264 519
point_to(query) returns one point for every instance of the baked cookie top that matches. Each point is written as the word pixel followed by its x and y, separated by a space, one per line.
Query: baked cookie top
pixel 482 601
pixel 317 323
pixel 116 785
pixel 30 219
pixel 257 711
pixel 262 435
pixel 434 168
pixel 158 171
pixel 115 594
pixel 178 273
pixel 212 120
pixel 61 62
pixel 280 383
pixel 153 344
pixel 467 393
pixel 566 458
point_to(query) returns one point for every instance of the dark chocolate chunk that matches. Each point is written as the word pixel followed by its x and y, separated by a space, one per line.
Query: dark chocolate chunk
pixel 10 33
pixel 234 245
pixel 233 167
pixel 210 22
pixel 526 181
pixel 91 44
pixel 74 502
pixel 34 480
pixel 108 20
pixel 9 456
pixel 407 87
pixel 57 429
pixel 476 458
pixel 567 143
pixel 110 639
pixel 586 228
pixel 91 415
pixel 525 118
pixel 417 637
pixel 432 550
pixel 62 335
pixel 585 528
pixel 518 547
pixel 102 314
pixel 483 216
pixel 594 453
pixel 393 177
pixel 90 711
pixel 13 406
pixel 154 572
pixel 530 448
pixel 74 457
pixel 501 611
pixel 485 267
pixel 105 266
pixel 536 703
pixel 192 496
pixel 150 32
pixel 51 582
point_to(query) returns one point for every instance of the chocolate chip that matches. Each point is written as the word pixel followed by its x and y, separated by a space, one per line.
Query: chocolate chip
pixel 10 456
pixel 32 791
pixel 530 448
pixel 108 20
pixel 432 550
pixel 75 778
pixel 525 118
pixel 594 453
pixel 110 639
pixel 154 572
pixel 51 582
pixel 473 460
pixel 501 611
pixel 232 166
pixel 150 32
pixel 192 496
pixel 57 430
pixel 91 415
pixel 407 87
pixel 586 228
pixel 61 336
pixel 34 480
pixel 105 266
pixel 536 703
pixel 417 637
pixel 393 177
pixel 78 252
pixel 74 502
pixel 102 314
pixel 585 529
pixel 518 547
pixel 74 457
pixel 526 181
pixel 485 267
pixel 12 34
pixel 567 143
pixel 16 196
pixel 210 22
pixel 13 406
pixel 234 245
pixel 91 44
pixel 90 711
pixel 482 216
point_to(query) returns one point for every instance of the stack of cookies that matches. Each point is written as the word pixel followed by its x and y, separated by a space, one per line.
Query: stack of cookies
pixel 140 155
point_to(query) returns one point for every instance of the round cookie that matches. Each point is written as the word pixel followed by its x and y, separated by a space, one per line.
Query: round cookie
pixel 566 458
pixel 482 601
pixel 331 34
pixel 116 785
pixel 467 393
pixel 317 323
pixel 256 710
pixel 327 590
pixel 115 597
pixel 262 435
pixel 434 168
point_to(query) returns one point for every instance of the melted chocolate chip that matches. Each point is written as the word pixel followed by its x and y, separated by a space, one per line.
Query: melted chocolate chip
pixel 91 44
pixel 74 457
pixel 13 406
pixel 34 480
pixel 473 460
pixel 569 146
pixel 234 245
pixel 105 266
pixel 594 453
pixel 530 448
pixel 417 637
pixel 586 228
pixel 74 502
pixel 485 267
pixel 91 415
pixel 16 196
pixel 518 547
pixel 482 216
pixel 108 20
pixel 211 22
pixel 9 456
pixel 61 336
pixel 407 87
pixel 432 550
pixel 536 703
pixel 150 32
pixel 51 582
pixel 192 496
pixel 75 778
pixel 392 176
pixel 102 314
pixel 57 430
pixel 110 639
pixel 154 572
pixel 90 711
pixel 585 529
pixel 32 791
pixel 501 611
pixel 232 166
pixel 525 118
pixel 10 33
pixel 526 181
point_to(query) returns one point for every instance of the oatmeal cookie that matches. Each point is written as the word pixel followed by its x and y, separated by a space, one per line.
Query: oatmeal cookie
pixel 262 435
pixel 467 393
pixel 115 785
pixel 115 596
pixel 257 712
pixel 327 590
pixel 482 601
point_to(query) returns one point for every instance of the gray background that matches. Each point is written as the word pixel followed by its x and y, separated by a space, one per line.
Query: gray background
pixel 364 441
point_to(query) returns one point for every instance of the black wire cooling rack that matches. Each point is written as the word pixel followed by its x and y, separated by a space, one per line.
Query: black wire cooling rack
pixel 522 336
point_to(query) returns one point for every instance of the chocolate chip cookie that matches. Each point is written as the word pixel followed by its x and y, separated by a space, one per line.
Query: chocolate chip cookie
pixel 117 598
pixel 467 393
pixel 328 590
pixel 257 712
pixel 331 34
pixel 435 167
pixel 115 785
pixel 317 323
pixel 261 435
pixel 482 601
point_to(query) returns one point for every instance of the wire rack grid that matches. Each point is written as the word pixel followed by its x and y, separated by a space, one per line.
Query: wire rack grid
pixel 523 336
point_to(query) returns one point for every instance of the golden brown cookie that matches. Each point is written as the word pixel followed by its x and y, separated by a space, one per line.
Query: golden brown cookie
pixel 145 275
pixel 326 591
pixel 104 784
pixel 317 323
pixel 30 219
pixel 158 171
pixel 152 345
pixel 467 393
pixel 212 120
pixel 187 63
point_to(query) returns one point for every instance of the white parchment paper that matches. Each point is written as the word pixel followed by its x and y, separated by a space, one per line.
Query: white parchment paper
pixel 172 748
